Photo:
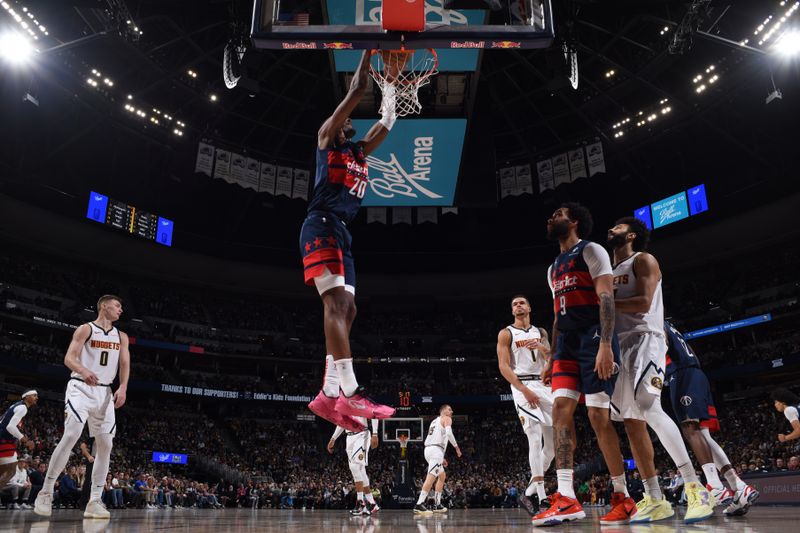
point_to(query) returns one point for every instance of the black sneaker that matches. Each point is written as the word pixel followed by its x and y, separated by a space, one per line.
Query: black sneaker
pixel 358 511
pixel 531 505
pixel 439 509
pixel 370 509
pixel 421 509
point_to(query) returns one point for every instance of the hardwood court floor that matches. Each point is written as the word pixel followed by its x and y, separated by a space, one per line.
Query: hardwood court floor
pixel 758 520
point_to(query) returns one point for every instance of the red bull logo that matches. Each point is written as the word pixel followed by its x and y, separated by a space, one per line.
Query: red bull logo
pixel 468 44
pixel 506 44
pixel 299 46
pixel 337 46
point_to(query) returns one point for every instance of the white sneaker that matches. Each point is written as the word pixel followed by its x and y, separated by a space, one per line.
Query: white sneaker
pixel 96 509
pixel 25 506
pixel 43 506
pixel 14 506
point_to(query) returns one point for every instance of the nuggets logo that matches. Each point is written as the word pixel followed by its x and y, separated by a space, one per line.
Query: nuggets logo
pixel 656 382
pixel 506 44
pixel 299 46
pixel 337 46
pixel 686 401
pixel 522 420
pixel 361 457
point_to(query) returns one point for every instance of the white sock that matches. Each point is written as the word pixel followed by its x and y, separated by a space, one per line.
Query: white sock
pixel 347 378
pixel 734 480
pixel 712 477
pixel 370 498
pixel 565 482
pixel 360 496
pixel 619 484
pixel 652 488
pixel 330 382
pixel 540 492
pixel 688 473
pixel 437 498
pixel 423 495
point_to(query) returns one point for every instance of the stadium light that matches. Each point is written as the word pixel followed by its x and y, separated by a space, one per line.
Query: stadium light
pixel 789 44
pixel 15 48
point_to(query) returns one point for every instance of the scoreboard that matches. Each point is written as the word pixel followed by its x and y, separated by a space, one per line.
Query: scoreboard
pixel 129 219
pixel 677 207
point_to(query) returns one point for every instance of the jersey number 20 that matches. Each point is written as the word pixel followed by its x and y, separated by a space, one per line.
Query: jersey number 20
pixel 359 188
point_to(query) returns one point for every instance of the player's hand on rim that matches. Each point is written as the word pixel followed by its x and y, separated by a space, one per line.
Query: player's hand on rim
pixel 604 363
pixel 119 398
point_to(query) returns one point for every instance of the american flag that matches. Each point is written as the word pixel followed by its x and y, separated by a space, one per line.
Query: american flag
pixel 293 19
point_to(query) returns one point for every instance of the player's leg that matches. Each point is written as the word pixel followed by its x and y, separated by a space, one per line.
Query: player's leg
pixel 437 499
pixel 102 426
pixel 533 432
pixel 744 494
pixel 7 471
pixel 76 415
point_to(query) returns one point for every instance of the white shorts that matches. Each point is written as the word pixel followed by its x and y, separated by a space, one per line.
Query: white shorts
pixel 435 457
pixel 92 405
pixel 643 359
pixel 529 414
pixel 357 447
pixel 11 459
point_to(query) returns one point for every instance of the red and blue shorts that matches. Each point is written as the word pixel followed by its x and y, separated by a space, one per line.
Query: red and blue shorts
pixel 325 244
pixel 690 395
pixel 574 360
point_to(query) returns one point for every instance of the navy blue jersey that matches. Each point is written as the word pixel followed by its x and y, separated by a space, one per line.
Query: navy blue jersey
pixel 679 354
pixel 9 414
pixel 341 180
pixel 575 301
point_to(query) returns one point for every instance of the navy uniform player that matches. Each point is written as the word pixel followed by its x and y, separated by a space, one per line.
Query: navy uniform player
pixel 357 446
pixel 522 351
pixel 10 434
pixel 97 351
pixel 693 406
pixel 585 354
pixel 339 187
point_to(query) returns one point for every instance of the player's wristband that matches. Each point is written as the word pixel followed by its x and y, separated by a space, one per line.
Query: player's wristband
pixel 388 120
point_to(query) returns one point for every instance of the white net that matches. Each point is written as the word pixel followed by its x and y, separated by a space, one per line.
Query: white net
pixel 400 74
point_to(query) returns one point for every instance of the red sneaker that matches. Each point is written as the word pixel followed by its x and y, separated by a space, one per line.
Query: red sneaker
pixel 360 405
pixel 622 510
pixel 562 509
pixel 325 407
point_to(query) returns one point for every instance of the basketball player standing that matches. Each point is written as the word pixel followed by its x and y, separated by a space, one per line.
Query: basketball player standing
pixel 10 434
pixel 639 324
pixel 522 352
pixel 440 433
pixel 339 187
pixel 97 351
pixel 357 446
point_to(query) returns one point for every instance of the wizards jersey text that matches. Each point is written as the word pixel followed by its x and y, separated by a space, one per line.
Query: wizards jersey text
pixel 575 301
pixel 679 354
pixel 341 180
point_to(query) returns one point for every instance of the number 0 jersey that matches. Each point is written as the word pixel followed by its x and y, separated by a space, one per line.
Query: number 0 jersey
pixel 525 361
pixel 341 180
pixel 100 354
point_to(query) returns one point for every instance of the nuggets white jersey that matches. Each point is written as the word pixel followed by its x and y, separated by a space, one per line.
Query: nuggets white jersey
pixel 100 354
pixel 525 361
pixel 625 287
pixel 436 434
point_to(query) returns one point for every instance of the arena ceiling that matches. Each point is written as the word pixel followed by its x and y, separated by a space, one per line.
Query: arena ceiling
pixel 78 137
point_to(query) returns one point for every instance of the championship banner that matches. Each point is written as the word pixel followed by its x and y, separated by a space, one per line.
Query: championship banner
pixel 577 165
pixel 508 182
pixel 238 163
pixel 300 189
pixel 401 215
pixel 524 180
pixel 560 169
pixel 368 13
pixel 427 214
pixel 417 164
pixel 222 168
pixel 376 214
pixel 283 186
pixel 544 169
pixel 597 162
pixel 449 210
pixel 266 181
pixel 205 159
pixel 251 174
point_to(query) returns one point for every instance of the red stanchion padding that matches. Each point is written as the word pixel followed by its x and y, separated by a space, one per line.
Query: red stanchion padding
pixel 403 15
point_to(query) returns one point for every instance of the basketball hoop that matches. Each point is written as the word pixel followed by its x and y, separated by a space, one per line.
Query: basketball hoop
pixel 403 440
pixel 400 74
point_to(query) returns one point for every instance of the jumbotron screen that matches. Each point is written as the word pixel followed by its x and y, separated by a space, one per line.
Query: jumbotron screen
pixel 130 219
pixel 673 208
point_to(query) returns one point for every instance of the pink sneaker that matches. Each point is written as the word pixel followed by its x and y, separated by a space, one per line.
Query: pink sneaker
pixel 360 405
pixel 325 407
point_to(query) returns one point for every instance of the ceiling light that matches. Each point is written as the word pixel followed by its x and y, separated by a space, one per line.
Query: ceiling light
pixel 213 97
pixel 788 44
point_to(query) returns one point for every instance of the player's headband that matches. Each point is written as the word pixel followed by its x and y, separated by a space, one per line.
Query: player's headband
pixel 29 393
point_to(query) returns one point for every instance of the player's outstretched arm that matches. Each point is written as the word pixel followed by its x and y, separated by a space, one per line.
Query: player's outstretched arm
pixel 374 440
pixel 124 371
pixel 504 364
pixel 330 128
pixel 648 274
pixel 73 358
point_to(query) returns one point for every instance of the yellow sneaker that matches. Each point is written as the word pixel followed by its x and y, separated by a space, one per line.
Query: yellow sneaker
pixel 700 503
pixel 650 510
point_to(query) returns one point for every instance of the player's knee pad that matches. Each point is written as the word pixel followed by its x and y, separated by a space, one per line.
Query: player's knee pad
pixel 356 471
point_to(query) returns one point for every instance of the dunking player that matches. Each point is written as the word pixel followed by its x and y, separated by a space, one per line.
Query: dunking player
pixel 639 324
pixel 694 410
pixel 10 434
pixel 440 433
pixel 339 187
pixel 357 446
pixel 585 356
pixel 97 350
pixel 522 351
